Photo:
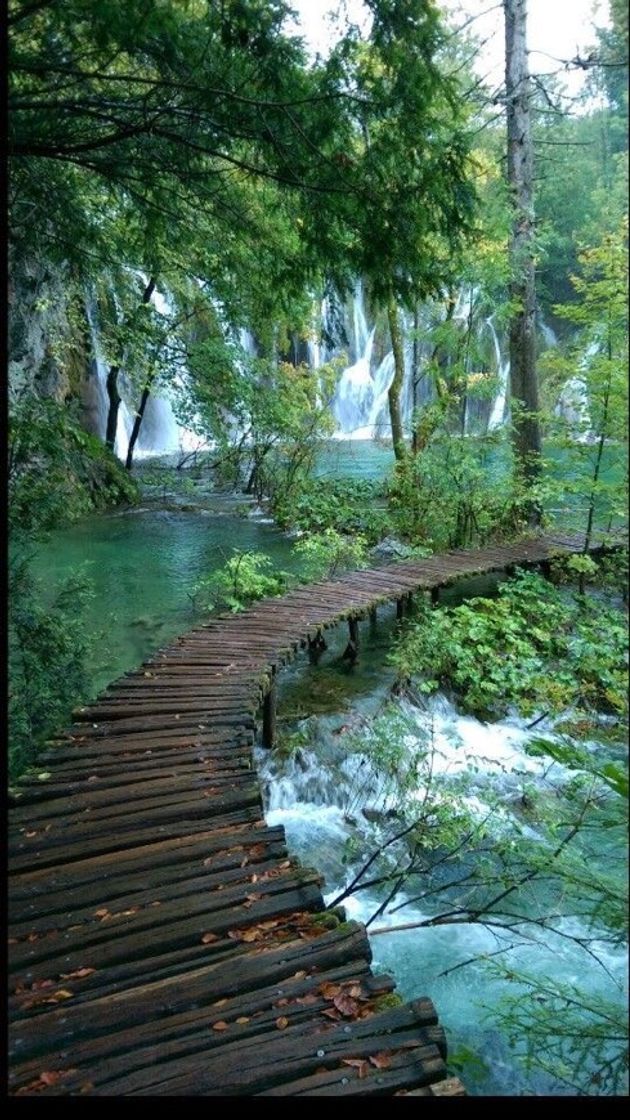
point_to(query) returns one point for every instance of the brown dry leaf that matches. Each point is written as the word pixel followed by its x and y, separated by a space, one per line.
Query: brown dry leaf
pixel 221 1025
pixel 253 878
pixel 62 994
pixel 359 1064
pixel 282 1023
pixel 102 913
pixel 40 985
pixel 281 1003
pixel 329 991
pixel 382 1060
pixel 347 1006
pixel 208 938
pixel 355 991
pixel 33 937
pixel 52 1076
pixel 79 974
pixel 307 1000
pixel 251 935
pixel 30 834
pixel 243 1019
pixel 330 1013
pixel 299 975
pixel 220 1003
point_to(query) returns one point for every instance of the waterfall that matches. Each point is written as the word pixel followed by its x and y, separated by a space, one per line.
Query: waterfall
pixel 498 414
pixel 572 407
pixel 160 432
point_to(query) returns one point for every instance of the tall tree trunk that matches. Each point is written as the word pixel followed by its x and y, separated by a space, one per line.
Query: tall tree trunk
pixel 416 378
pixel 520 164
pixel 395 388
pixel 135 431
pixel 112 384
pixel 112 412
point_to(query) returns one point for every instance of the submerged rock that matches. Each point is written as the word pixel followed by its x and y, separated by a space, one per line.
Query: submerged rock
pixel 389 547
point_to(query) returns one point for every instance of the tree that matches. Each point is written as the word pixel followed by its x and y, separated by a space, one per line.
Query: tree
pixel 520 172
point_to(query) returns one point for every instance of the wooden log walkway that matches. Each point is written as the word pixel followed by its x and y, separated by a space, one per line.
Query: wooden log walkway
pixel 162 941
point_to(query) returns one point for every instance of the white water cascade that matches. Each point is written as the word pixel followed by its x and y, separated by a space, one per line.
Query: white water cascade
pixel 160 432
pixel 330 800
pixel 498 414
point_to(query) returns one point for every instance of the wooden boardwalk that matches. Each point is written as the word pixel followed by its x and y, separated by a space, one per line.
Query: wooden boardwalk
pixel 162 939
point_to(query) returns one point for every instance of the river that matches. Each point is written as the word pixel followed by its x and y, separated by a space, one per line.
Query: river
pixel 143 563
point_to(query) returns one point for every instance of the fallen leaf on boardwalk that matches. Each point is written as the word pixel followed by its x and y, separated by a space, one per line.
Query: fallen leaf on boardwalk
pixel 281 1003
pixel 52 1076
pixel 251 935
pixel 307 1000
pixel 329 991
pixel 242 1019
pixel 355 992
pixel 39 985
pixel 79 974
pixel 253 897
pixel 381 1060
pixel 285 863
pixel 48 1077
pixel 31 834
pixel 103 913
pixel 33 937
pixel 347 1006
pixel 299 975
pixel 282 1023
pixel 219 1003
pixel 208 937
pixel 359 1064
pixel 220 1026
pixel 244 862
pixel 330 1013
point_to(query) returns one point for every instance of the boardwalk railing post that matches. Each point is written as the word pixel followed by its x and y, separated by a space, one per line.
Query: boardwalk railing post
pixel 373 619
pixel 351 651
pixel 435 596
pixel 269 716
pixel 400 608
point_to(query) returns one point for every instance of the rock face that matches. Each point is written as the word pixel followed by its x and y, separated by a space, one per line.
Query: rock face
pixel 38 331
pixel 50 351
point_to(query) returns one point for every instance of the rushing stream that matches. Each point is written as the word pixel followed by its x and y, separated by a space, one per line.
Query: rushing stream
pixel 327 795
pixel 144 562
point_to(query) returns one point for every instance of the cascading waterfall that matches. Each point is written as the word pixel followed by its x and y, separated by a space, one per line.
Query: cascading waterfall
pixel 160 432
pixel 498 414
pixel 360 405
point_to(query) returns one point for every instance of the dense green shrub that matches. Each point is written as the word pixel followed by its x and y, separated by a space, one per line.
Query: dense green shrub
pixel 533 646
pixel 48 650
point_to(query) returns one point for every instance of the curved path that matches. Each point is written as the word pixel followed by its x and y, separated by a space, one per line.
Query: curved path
pixel 162 940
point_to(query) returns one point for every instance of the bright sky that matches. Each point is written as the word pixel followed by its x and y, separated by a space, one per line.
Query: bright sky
pixel 560 28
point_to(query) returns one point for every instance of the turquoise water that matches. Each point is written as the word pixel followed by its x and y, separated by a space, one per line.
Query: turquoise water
pixel 143 564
